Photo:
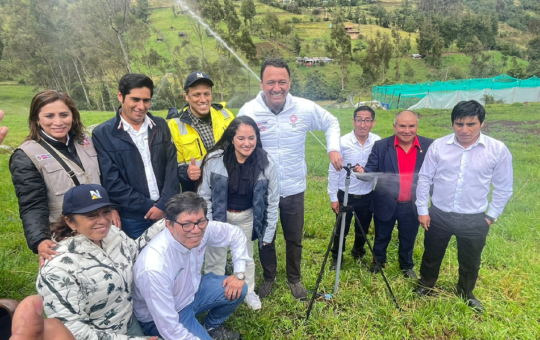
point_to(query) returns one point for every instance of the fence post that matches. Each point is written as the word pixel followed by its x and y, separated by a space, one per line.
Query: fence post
pixel 399 98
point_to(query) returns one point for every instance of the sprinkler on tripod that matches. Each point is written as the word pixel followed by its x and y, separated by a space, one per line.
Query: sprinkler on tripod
pixel 341 220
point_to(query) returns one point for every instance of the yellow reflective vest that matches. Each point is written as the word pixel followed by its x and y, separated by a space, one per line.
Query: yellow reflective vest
pixel 187 139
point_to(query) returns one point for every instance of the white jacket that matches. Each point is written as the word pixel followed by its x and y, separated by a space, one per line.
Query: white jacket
pixel 89 288
pixel 283 136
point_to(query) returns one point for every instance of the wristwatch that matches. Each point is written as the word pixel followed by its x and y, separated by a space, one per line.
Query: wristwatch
pixel 240 276
pixel 491 219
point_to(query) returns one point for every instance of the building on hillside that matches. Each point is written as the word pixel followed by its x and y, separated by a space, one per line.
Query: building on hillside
pixel 182 34
pixel 354 34
pixel 416 56
pixel 312 61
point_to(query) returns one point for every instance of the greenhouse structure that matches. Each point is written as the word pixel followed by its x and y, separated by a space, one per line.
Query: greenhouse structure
pixel 446 94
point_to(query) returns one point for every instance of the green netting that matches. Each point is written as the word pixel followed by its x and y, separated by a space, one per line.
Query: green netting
pixel 406 95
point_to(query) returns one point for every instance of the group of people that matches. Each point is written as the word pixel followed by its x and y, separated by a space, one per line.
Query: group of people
pixel 124 221
pixel 456 172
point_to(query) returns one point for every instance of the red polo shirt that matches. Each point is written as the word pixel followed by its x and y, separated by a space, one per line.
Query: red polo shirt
pixel 407 163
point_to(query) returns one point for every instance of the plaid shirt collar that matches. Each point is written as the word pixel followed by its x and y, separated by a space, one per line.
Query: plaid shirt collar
pixel 205 130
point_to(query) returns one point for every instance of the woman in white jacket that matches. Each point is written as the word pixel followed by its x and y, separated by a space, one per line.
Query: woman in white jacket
pixel 240 185
pixel 88 285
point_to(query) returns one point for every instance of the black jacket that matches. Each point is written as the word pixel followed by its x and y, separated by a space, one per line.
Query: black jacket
pixel 383 158
pixel 32 192
pixel 122 168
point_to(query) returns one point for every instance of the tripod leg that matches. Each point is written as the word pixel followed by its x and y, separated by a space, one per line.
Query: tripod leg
pixel 343 216
pixel 315 290
pixel 356 220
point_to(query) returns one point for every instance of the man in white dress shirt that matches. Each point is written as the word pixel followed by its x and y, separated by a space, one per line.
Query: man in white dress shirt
pixel 461 167
pixel 355 149
pixel 169 288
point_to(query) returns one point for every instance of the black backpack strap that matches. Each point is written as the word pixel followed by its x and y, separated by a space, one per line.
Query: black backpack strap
pixel 56 156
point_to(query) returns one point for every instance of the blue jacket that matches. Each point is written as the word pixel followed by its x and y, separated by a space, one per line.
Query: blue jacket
pixel 383 158
pixel 122 167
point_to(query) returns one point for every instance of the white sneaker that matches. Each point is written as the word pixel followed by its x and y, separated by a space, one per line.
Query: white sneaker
pixel 253 301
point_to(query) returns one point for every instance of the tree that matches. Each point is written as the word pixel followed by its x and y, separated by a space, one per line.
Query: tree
pixel 211 10
pixel 516 70
pixel 409 72
pixel 231 19
pixel 534 68
pixel 402 47
pixel 247 46
pixel 450 27
pixel 479 61
pixel 297 45
pixel 385 52
pixel 199 32
pixel 247 8
pixel 430 42
pixel 271 22
pixel 117 11
pixel 339 47
pixel 192 63
pixel 533 50
pixel 142 10
pixel 445 7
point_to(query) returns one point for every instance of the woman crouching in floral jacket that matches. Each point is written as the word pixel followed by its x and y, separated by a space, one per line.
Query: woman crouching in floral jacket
pixel 88 285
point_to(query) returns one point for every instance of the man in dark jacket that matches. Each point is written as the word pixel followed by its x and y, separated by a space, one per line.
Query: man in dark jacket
pixel 400 157
pixel 137 157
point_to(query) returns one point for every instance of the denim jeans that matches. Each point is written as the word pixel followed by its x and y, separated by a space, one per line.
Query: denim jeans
pixel 210 297
pixel 135 228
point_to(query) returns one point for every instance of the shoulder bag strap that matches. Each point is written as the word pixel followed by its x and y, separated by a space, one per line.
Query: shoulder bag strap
pixel 56 156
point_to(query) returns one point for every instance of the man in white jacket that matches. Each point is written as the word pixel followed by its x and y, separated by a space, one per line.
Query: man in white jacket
pixel 284 121
pixel 169 288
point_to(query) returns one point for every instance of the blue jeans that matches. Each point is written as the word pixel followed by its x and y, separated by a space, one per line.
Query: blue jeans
pixel 210 297
pixel 135 228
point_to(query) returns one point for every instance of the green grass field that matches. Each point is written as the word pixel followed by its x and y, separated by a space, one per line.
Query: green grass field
pixel 362 309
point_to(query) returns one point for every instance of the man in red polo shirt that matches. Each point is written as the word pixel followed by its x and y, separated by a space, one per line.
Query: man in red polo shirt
pixel 399 156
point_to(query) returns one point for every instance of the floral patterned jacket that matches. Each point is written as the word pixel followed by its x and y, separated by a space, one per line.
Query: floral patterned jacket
pixel 89 288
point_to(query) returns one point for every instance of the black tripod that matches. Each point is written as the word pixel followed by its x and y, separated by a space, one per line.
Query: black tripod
pixel 341 219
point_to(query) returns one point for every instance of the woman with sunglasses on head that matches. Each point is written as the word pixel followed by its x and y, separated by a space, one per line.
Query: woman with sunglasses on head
pixel 88 285
pixel 56 156
pixel 240 184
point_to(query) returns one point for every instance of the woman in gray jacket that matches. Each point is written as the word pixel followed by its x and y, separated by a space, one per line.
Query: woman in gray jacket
pixel 239 183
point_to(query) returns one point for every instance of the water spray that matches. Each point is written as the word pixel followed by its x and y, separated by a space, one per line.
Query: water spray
pixel 224 44
pixel 218 38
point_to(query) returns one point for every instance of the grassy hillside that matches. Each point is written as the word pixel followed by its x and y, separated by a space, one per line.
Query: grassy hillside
pixel 313 31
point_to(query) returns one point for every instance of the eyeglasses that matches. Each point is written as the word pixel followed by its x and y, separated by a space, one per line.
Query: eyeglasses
pixel 189 226
pixel 367 121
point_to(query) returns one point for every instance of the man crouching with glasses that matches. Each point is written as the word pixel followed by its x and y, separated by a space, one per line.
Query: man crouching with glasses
pixel 169 288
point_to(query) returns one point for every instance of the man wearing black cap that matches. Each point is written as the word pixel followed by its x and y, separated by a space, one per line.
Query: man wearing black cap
pixel 197 128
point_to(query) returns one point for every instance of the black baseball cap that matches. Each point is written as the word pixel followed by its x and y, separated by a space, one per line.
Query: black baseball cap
pixel 197 76
pixel 85 198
